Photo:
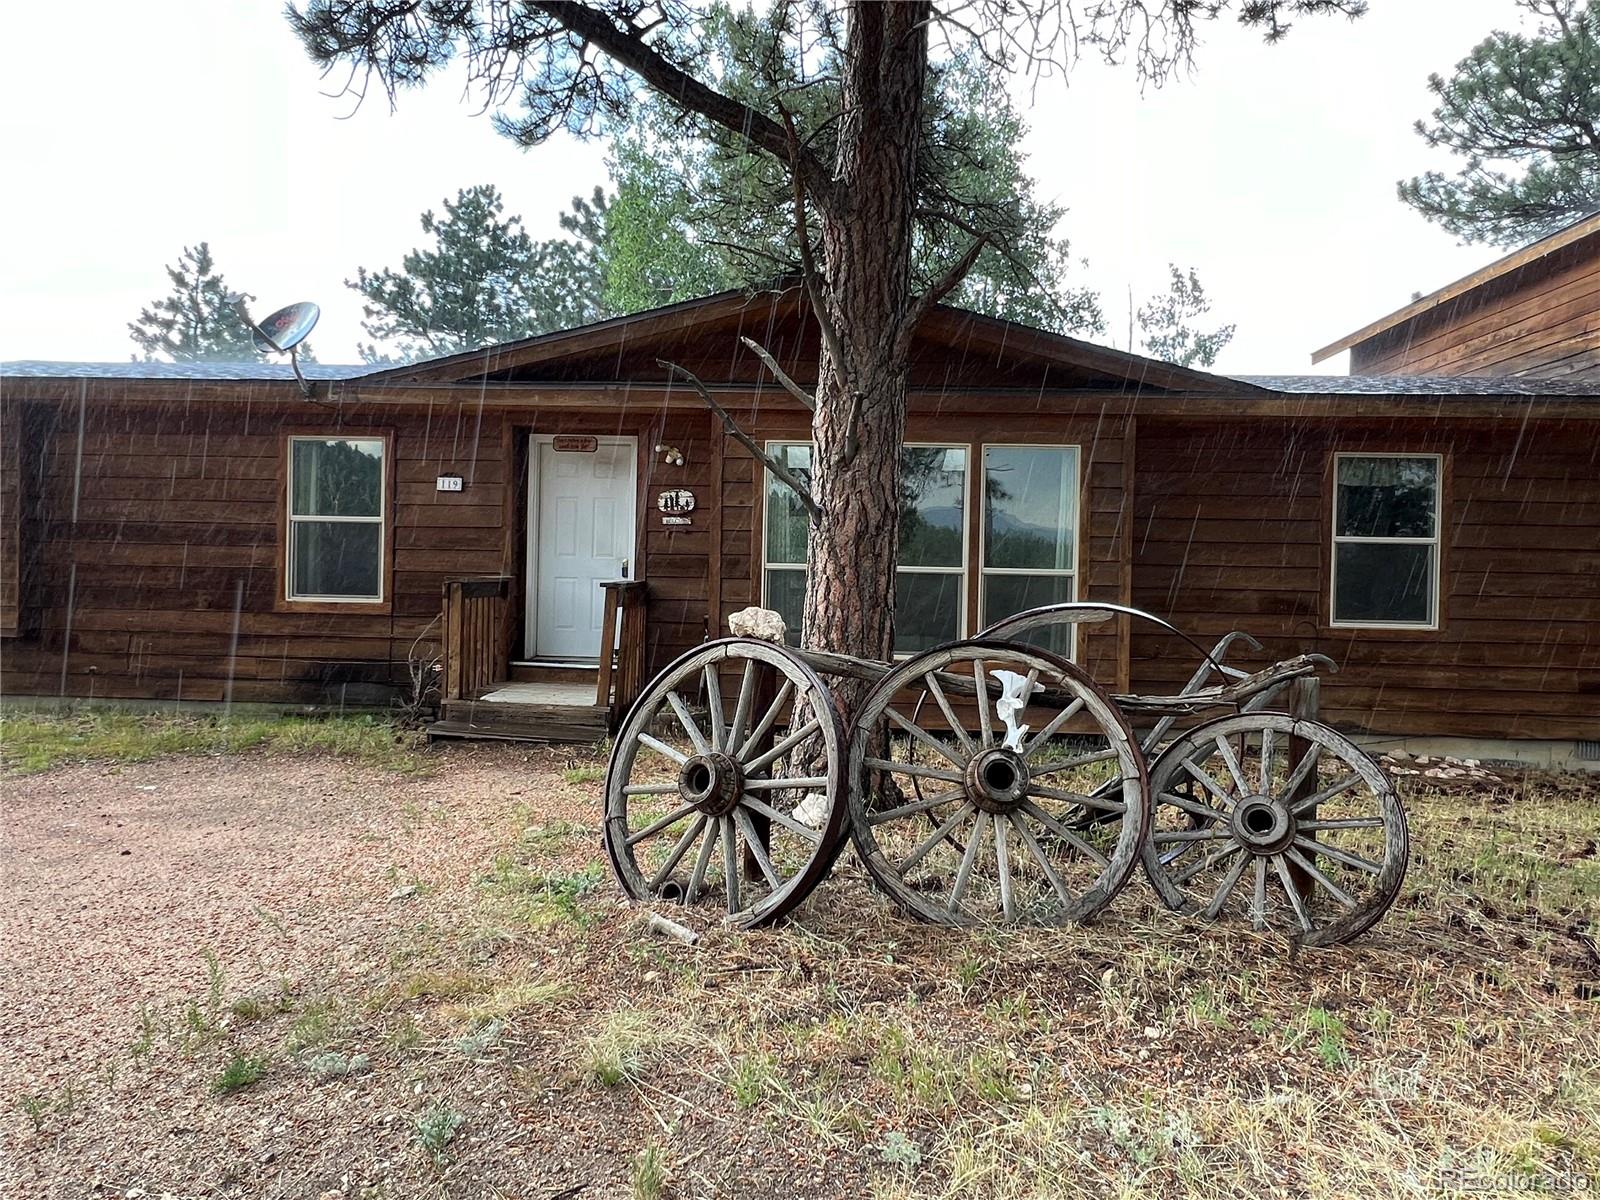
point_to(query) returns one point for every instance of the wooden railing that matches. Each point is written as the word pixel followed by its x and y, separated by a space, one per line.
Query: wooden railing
pixel 476 648
pixel 618 685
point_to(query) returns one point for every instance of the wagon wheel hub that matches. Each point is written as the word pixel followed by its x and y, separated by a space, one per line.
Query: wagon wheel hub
pixel 711 782
pixel 1262 825
pixel 997 780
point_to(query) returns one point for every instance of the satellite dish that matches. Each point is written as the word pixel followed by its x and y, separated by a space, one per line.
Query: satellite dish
pixel 281 332
pixel 286 328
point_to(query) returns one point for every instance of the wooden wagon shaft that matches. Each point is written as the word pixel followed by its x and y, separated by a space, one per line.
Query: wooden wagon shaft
pixel 870 671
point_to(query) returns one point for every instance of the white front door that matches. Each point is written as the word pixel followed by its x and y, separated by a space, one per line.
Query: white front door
pixel 582 534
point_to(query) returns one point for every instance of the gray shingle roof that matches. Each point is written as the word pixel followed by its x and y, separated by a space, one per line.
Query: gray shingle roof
pixel 217 371
pixel 1422 385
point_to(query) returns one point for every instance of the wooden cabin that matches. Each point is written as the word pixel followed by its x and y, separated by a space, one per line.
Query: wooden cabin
pixel 206 533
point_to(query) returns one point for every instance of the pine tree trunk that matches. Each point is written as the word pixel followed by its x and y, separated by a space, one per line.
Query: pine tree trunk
pixel 866 240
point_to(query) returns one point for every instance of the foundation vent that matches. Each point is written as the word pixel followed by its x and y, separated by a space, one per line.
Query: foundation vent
pixel 1589 751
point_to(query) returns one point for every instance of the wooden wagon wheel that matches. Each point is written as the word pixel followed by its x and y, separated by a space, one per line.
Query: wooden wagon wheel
pixel 1000 847
pixel 1282 820
pixel 705 806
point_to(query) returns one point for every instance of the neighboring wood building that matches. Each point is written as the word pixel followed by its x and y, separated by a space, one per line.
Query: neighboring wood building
pixel 205 533
pixel 1535 312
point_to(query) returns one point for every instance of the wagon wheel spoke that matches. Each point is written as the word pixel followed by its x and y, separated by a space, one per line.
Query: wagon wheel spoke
pixel 939 698
pixel 933 839
pixel 741 708
pixel 927 739
pixel 1067 835
pixel 752 842
pixel 969 858
pixel 1311 870
pixel 1235 771
pixel 926 804
pixel 678 851
pixel 680 786
pixel 1049 731
pixel 1080 760
pixel 980 678
pixel 1258 902
pixel 697 877
pixel 916 770
pixel 1329 832
pixel 1293 890
pixel 1210 784
pixel 1229 882
pixel 1002 858
pixel 681 711
pixel 782 818
pixel 1079 798
pixel 713 704
pixel 1057 885
pixel 656 827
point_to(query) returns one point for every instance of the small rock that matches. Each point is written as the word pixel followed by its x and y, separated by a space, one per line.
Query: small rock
pixel 404 893
pixel 1398 756
pixel 1422 760
pixel 755 622
pixel 1434 772
pixel 812 809
pixel 1470 762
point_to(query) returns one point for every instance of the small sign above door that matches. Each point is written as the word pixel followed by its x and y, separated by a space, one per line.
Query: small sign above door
pixel 676 502
pixel 575 443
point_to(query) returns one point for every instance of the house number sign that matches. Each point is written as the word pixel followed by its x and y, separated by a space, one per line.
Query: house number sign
pixel 580 443
pixel 675 506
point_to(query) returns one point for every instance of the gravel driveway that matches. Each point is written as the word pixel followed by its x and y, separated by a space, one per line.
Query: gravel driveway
pixel 134 890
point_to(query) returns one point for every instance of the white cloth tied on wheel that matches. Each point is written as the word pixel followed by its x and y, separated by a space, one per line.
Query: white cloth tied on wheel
pixel 1015 692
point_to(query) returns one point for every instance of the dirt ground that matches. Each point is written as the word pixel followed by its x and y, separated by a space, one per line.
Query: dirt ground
pixel 268 975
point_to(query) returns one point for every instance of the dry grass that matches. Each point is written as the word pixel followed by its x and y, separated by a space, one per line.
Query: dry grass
pixel 851 1052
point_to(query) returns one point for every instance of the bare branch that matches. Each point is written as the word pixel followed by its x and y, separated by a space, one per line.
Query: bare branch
pixel 780 472
pixel 941 287
pixel 789 385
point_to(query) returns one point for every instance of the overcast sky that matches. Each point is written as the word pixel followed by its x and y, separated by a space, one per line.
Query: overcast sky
pixel 1271 170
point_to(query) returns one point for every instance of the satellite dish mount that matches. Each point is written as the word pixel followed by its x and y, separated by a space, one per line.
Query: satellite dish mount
pixel 282 333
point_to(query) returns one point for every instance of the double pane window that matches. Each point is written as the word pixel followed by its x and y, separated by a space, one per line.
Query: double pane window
pixel 336 524
pixel 1386 540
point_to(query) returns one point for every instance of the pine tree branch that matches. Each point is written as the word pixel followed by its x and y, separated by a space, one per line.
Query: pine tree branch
pixel 941 287
pixel 627 46
pixel 789 385
pixel 780 472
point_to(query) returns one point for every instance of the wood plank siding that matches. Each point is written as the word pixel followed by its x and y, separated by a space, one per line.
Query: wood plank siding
pixel 1533 313
pixel 142 520
pixel 1232 529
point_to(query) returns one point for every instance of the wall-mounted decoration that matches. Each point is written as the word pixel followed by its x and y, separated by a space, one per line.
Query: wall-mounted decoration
pixel 575 443
pixel 448 483
pixel 677 502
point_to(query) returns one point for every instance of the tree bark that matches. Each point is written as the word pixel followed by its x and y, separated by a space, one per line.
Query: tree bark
pixel 861 402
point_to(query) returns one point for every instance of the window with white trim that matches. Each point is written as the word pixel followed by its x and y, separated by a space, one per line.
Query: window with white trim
pixel 1030 535
pixel 930 588
pixel 1386 540
pixel 930 575
pixel 336 530
pixel 784 538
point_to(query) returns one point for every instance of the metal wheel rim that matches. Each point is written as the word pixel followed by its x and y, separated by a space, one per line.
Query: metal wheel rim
pixel 1096 704
pixel 1255 861
pixel 768 903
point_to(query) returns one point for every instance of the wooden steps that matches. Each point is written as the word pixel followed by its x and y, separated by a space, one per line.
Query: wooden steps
pixel 525 712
